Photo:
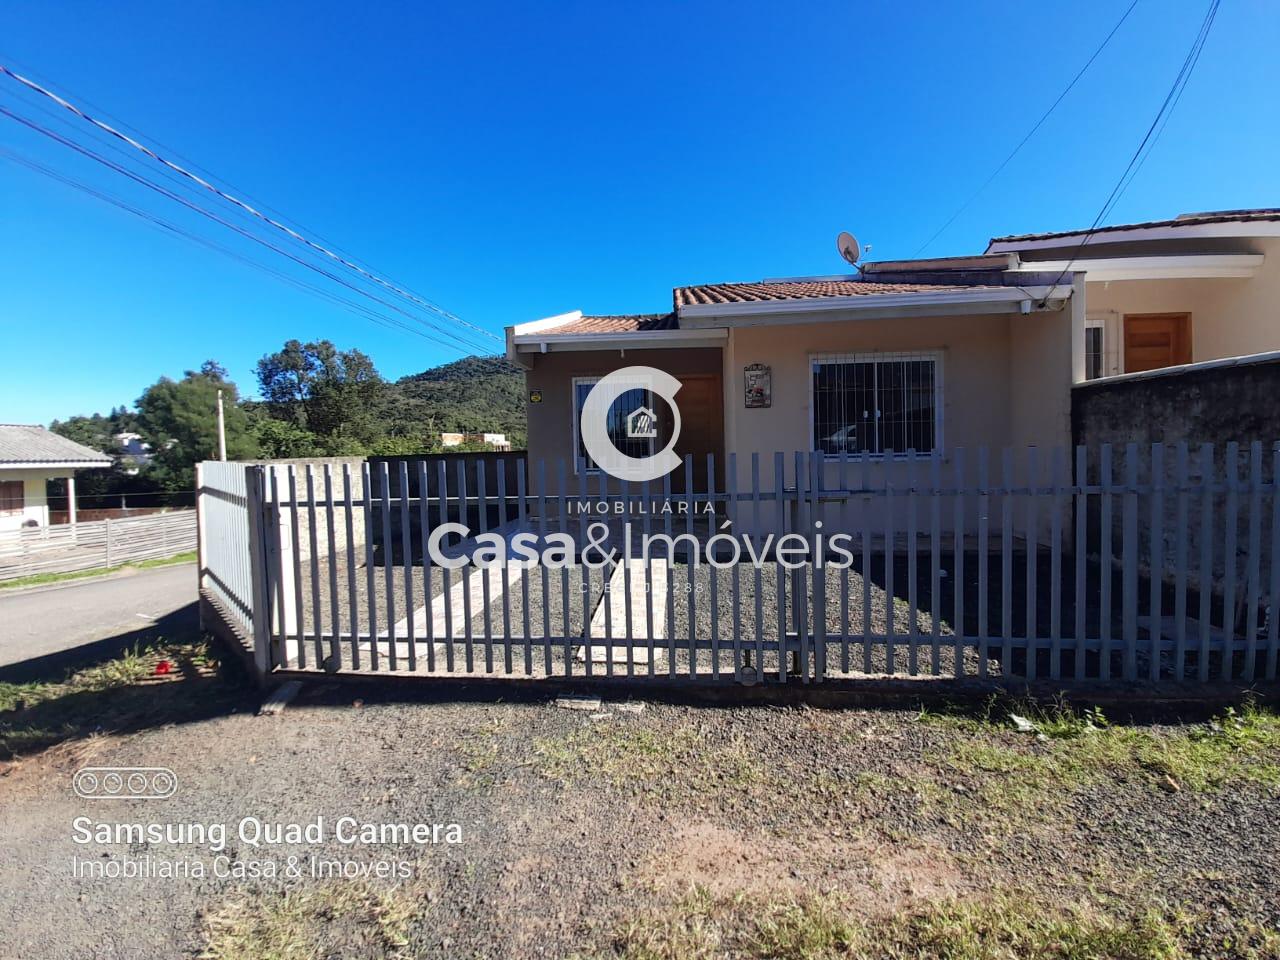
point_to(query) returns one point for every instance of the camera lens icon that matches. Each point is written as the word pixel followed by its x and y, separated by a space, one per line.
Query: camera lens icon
pixel 124 783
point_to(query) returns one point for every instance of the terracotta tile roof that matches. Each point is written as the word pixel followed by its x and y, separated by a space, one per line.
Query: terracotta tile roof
pixel 24 443
pixel 800 290
pixel 628 323
pixel 1183 220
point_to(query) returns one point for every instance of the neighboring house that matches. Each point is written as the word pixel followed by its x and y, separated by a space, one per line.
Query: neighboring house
pixel 915 354
pixel 30 456
pixel 135 453
pixel 497 441
pixel 1203 286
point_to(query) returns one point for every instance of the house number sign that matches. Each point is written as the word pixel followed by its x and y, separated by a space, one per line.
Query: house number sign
pixel 759 385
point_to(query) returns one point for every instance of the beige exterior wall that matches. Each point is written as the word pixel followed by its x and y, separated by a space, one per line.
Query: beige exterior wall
pixel 1229 317
pixel 35 498
pixel 551 421
pixel 1006 380
pixel 1039 374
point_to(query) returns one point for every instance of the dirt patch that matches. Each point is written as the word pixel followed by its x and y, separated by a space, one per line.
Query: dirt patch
pixel 722 860
pixel 880 878
pixel 800 832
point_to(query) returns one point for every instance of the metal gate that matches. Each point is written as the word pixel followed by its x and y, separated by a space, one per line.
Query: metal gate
pixel 1126 564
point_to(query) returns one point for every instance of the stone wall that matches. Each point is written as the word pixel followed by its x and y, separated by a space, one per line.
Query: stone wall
pixel 1216 402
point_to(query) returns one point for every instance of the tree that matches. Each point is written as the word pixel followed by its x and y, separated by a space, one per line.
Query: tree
pixel 180 421
pixel 95 431
pixel 280 440
pixel 338 395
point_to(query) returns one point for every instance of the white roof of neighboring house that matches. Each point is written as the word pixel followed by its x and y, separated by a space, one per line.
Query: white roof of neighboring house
pixel 1262 222
pixel 28 445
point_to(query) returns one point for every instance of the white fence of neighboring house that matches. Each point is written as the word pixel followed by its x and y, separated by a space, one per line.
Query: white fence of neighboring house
pixel 95 544
pixel 1127 564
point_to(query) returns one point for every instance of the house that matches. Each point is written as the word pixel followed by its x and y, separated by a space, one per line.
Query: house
pixel 498 441
pixel 1198 287
pixel 134 453
pixel 919 355
pixel 30 456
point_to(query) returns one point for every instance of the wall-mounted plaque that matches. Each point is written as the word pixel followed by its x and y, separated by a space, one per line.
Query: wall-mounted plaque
pixel 759 385
pixel 535 396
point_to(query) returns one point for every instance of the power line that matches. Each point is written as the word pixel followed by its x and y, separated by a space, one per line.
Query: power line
pixel 1030 133
pixel 319 248
pixel 186 187
pixel 365 312
pixel 1189 65
pixel 124 124
pixel 144 181
pixel 130 157
pixel 167 226
pixel 1162 115
pixel 163 191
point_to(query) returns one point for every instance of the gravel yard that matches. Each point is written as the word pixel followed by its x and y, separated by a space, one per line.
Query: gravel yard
pixel 717 606
pixel 570 599
pixel 668 831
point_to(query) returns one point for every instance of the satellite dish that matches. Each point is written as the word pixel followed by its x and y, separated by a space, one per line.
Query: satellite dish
pixel 847 244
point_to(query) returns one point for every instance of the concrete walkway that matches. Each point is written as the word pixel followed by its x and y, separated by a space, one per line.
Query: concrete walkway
pixel 615 603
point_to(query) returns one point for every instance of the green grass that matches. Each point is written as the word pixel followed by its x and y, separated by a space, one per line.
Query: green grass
pixel 979 761
pixel 685 763
pixel 342 919
pixel 40 579
pixel 112 696
pixel 127 669
pixel 998 927
pixel 1020 770
pixel 478 753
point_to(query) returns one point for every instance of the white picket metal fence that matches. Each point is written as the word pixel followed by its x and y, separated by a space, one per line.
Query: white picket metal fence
pixel 95 544
pixel 1109 565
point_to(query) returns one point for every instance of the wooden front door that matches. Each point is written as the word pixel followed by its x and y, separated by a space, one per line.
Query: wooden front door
pixel 701 427
pixel 1155 340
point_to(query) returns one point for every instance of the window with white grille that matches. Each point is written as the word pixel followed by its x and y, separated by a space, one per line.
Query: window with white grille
pixel 1092 353
pixel 619 411
pixel 873 403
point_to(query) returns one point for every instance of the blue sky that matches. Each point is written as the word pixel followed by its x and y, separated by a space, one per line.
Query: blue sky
pixel 511 161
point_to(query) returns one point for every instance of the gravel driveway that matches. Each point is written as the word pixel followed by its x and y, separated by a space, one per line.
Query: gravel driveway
pixel 584 831
pixel 717 605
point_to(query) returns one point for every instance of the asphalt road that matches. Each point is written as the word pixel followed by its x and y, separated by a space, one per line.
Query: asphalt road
pixel 54 626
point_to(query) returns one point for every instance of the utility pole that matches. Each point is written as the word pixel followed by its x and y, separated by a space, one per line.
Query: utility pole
pixel 222 431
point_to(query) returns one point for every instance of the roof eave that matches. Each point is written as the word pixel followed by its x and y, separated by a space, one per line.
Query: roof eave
pixel 1199 266
pixel 871 306
pixel 54 464
pixel 1191 231
pixel 640 339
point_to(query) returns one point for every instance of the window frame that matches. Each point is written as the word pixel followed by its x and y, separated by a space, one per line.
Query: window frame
pixel 877 357
pixel 22 499
pixel 1099 324
pixel 575 414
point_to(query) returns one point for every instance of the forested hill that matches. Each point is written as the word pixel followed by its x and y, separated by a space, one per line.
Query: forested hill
pixel 470 395
pixel 315 400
